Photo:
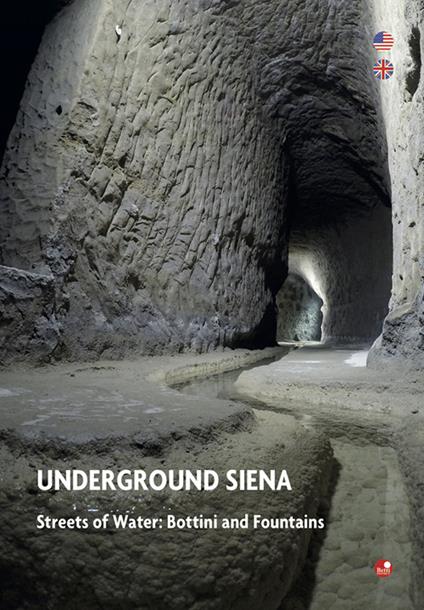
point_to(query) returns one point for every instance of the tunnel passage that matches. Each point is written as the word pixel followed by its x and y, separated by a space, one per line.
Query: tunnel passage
pixel 299 311
pixel 155 180
pixel 338 191
pixel 348 264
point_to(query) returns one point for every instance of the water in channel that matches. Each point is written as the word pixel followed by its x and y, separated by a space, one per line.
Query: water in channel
pixel 367 518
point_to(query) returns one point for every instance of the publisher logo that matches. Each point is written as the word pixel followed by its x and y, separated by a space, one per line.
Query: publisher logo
pixel 383 568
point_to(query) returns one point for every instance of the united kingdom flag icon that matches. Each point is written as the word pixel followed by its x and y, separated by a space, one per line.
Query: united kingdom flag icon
pixel 383 69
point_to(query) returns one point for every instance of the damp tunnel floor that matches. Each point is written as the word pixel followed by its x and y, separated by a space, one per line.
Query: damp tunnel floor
pixel 367 506
pixel 273 409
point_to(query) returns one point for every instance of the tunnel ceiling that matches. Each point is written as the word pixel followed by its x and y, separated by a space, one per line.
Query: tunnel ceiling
pixel 311 64
pixel 314 76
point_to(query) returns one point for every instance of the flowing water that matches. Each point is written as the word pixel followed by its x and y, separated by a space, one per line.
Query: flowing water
pixel 367 519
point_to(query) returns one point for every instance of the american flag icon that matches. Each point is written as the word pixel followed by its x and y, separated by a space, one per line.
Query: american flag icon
pixel 383 69
pixel 383 41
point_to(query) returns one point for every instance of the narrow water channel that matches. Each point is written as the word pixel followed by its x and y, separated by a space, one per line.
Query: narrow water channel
pixel 367 517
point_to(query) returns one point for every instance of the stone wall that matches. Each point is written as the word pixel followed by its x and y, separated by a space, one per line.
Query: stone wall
pixel 299 311
pixel 142 173
pixel 155 154
pixel 402 341
pixel 28 314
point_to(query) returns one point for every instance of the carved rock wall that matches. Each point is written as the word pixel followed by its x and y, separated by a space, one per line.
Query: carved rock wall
pixel 299 311
pixel 155 155
pixel 144 176
pixel 402 341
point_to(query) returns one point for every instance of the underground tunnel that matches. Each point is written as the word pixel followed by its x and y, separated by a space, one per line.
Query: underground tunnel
pixel 308 167
pixel 211 256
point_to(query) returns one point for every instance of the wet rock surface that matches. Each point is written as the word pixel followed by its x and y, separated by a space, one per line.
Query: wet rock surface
pixel 111 402
pixel 368 515
pixel 334 391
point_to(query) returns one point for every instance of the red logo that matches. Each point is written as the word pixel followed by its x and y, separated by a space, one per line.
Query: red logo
pixel 383 568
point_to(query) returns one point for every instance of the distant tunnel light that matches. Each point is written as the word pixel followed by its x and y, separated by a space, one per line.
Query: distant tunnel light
pixel 304 263
pixel 300 316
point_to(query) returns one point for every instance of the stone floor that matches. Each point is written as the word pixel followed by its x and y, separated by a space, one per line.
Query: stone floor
pixel 334 381
pixel 109 400
pixel 381 416
pixel 124 415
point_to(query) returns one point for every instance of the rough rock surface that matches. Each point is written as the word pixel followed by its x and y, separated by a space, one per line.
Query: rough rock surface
pixel 28 318
pixel 165 568
pixel 154 180
pixel 402 341
pixel 157 149
pixel 368 518
pixel 299 311
pixel 410 440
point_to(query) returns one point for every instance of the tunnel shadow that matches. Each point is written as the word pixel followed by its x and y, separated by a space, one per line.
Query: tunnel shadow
pixel 301 594
pixel 20 35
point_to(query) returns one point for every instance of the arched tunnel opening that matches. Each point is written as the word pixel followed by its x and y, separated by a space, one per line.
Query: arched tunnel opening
pixel 345 266
pixel 337 185
pixel 338 218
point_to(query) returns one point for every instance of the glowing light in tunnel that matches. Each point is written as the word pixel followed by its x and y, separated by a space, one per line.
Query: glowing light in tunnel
pixel 304 264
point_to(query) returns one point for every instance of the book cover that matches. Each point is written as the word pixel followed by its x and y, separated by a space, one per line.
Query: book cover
pixel 212 305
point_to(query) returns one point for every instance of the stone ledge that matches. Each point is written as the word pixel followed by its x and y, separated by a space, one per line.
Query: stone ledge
pixel 75 407
pixel 163 569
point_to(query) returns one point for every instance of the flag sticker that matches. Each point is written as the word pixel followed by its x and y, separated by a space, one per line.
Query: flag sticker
pixel 383 41
pixel 383 69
